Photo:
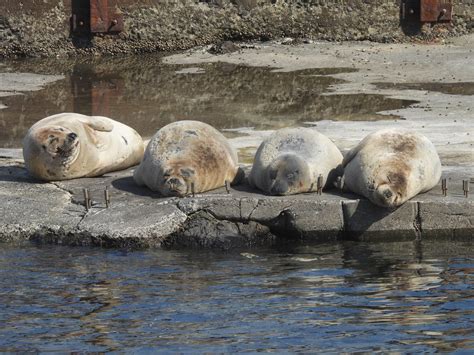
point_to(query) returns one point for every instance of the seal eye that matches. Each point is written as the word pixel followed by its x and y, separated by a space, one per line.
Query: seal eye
pixel 44 147
pixel 187 172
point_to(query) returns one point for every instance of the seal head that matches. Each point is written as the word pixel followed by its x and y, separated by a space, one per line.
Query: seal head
pixel 287 175
pixel 57 145
pixel 177 180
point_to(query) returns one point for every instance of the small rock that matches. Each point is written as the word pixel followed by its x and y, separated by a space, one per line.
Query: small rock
pixel 224 48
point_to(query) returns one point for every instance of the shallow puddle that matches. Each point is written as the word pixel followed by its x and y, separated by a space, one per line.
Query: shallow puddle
pixel 146 94
pixel 463 88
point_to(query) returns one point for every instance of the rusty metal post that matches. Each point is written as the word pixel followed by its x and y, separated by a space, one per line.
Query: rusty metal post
pixel 465 187
pixel 87 200
pixel 95 16
pixel 444 187
pixel 436 10
pixel 320 184
pixel 107 197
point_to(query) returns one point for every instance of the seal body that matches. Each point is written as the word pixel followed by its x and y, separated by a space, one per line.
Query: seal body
pixel 290 160
pixel 391 166
pixel 187 157
pixel 71 145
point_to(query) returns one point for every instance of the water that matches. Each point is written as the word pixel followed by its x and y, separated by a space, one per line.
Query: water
pixel 147 94
pixel 459 88
pixel 339 297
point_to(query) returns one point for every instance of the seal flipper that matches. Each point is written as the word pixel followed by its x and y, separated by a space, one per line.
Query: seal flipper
pixel 339 183
pixel 239 177
pixel 98 123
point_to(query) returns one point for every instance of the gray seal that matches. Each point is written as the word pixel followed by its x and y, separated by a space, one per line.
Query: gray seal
pixel 290 160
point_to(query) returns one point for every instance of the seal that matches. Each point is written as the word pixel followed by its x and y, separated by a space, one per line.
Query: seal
pixel 391 166
pixel 290 160
pixel 187 157
pixel 70 145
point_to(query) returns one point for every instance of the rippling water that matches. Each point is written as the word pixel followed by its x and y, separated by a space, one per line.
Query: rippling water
pixel 329 297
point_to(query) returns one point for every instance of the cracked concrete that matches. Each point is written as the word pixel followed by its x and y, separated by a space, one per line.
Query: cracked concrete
pixel 244 218
pixel 137 217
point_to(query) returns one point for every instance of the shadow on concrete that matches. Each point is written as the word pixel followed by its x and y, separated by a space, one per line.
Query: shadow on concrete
pixel 17 173
pixel 244 186
pixel 127 184
pixel 360 216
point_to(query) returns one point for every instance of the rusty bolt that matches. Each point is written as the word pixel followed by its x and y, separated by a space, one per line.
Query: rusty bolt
pixel 114 22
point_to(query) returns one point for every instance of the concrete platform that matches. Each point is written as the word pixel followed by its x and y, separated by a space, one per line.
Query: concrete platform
pixel 138 218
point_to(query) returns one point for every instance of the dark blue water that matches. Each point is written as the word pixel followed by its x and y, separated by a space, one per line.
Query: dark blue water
pixel 332 297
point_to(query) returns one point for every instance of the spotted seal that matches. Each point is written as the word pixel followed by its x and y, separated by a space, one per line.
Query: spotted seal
pixel 391 166
pixel 71 145
pixel 187 157
pixel 290 160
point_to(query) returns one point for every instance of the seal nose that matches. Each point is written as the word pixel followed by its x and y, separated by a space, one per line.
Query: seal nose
pixel 388 193
pixel 72 136
pixel 278 188
pixel 174 182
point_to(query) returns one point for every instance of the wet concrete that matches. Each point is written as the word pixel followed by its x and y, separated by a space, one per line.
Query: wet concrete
pixel 391 70
pixel 54 212
pixel 461 88
pixel 146 94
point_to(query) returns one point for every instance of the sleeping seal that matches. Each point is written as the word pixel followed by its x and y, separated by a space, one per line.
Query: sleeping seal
pixel 71 145
pixel 187 157
pixel 391 166
pixel 290 160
